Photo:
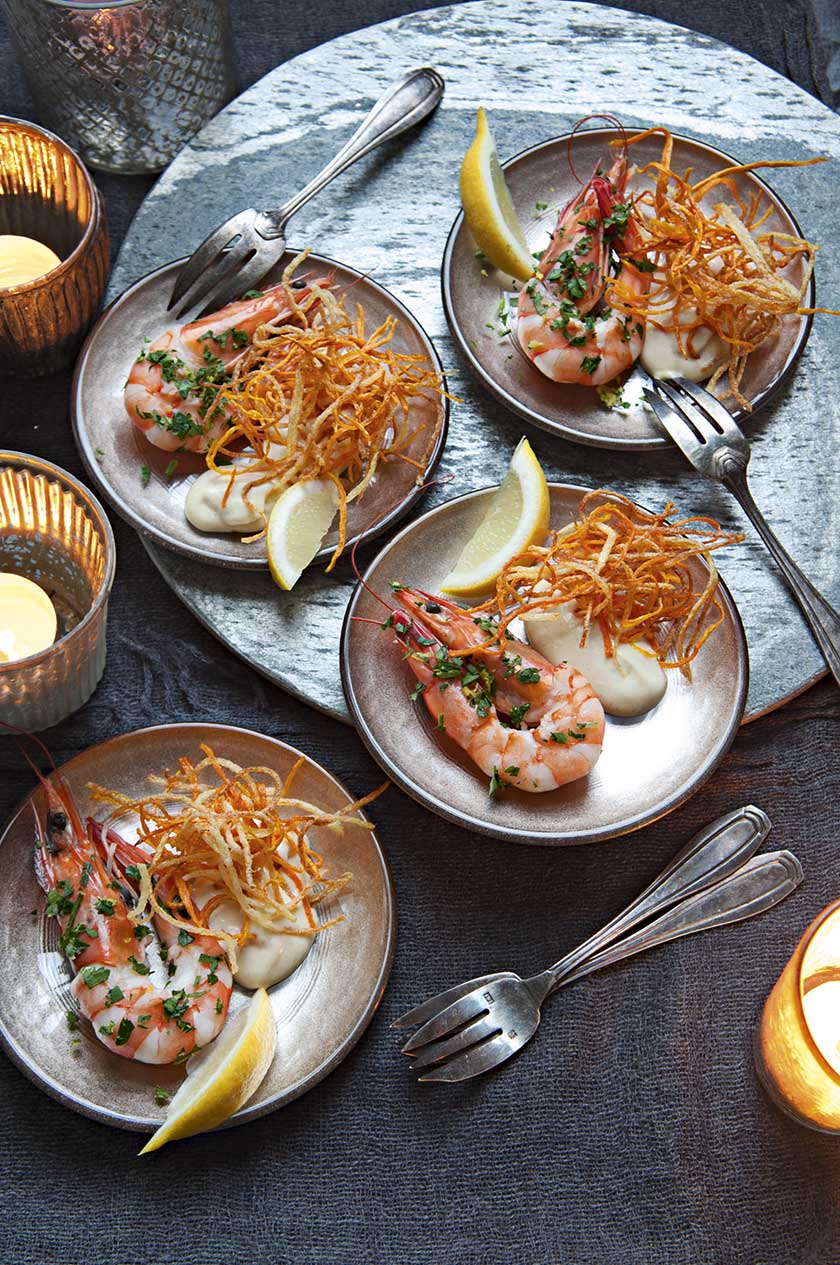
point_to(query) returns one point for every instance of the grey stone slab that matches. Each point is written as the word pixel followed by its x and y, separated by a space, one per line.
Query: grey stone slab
pixel 390 216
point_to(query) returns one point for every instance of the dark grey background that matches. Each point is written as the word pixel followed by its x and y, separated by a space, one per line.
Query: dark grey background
pixel 633 1129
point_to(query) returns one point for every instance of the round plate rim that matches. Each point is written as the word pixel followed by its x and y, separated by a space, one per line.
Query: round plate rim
pixel 516 834
pixel 197 553
pixel 568 431
pixel 103 1115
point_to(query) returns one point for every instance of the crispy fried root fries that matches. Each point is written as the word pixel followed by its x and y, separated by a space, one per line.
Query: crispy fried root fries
pixel 319 397
pixel 243 833
pixel 626 569
pixel 716 261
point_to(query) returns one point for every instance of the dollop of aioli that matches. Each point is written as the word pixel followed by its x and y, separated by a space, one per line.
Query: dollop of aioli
pixel 205 510
pixel 627 684
pixel 203 506
pixel 267 957
pixel 661 355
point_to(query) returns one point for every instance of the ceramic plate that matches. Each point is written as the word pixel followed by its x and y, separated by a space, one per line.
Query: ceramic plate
pixel 649 765
pixel 321 1009
pixel 540 181
pixel 114 451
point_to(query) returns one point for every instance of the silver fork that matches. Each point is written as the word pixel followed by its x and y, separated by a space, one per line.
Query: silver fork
pixel 715 852
pixel 490 1024
pixel 238 254
pixel 707 434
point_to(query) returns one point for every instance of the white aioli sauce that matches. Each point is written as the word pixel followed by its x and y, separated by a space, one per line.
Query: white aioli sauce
pixel 204 509
pixel 268 957
pixel 627 684
pixel 661 354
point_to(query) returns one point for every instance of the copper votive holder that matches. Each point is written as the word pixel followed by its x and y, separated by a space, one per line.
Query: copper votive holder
pixel 797 1043
pixel 56 533
pixel 46 193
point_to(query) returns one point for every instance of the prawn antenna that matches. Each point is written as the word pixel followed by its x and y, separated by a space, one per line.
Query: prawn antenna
pixel 608 118
pixel 424 487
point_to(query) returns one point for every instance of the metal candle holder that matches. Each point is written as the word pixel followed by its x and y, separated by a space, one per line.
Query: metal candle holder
pixel 55 532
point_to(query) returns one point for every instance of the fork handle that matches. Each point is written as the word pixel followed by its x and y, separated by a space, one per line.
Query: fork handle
pixel 715 852
pixel 822 618
pixel 756 887
pixel 404 104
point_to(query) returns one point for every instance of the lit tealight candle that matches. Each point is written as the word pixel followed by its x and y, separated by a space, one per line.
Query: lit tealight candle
pixel 798 1041
pixel 23 259
pixel 28 622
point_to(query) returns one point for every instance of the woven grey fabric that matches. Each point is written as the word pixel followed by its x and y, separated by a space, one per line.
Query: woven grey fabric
pixel 632 1131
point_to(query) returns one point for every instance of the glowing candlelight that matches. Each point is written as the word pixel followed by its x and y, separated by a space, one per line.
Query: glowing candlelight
pixel 23 259
pixel 28 622
pixel 797 1046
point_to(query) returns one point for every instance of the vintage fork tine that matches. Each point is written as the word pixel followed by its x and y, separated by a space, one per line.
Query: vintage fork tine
pixel 444 1023
pixel 689 411
pixel 473 1062
pixel 676 426
pixel 207 253
pixel 720 416
pixel 433 1005
pixel 212 289
pixel 473 1034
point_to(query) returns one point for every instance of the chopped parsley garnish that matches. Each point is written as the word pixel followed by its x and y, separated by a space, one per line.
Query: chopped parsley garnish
pixel 517 713
pixel 559 737
pixel 84 877
pixel 172 466
pixel 644 265
pixel 60 899
pixel 528 676
pixel 93 975
pixel 417 692
pixel 133 873
pixel 176 1005
pixel 253 294
pixel 114 995
pixel 141 931
pixel 72 1020
pixel 143 1021
pixel 145 475
pixel 124 1031
pixel 512 770
pixel 589 364
pixel 184 938
pixel 107 1029
pixel 496 784
pixel 219 1006
pixel 139 968
pixel 441 723
pixel 162 1096
pixel 105 906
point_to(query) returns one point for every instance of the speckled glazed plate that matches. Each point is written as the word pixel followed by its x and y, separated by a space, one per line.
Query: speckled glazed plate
pixel 321 1009
pixel 540 181
pixel 114 451
pixel 649 764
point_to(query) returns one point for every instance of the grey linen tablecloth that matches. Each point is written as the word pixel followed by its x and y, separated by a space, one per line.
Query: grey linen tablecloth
pixel 632 1130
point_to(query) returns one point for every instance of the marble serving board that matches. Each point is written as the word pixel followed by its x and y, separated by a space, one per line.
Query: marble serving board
pixel 390 216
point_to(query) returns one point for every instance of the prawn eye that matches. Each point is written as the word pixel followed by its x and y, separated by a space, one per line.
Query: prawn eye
pixel 57 821
pixel 433 608
pixel 298 283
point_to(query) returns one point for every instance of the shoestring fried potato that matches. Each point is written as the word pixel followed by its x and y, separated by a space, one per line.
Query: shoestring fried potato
pixel 242 832
pixel 716 267
pixel 624 568
pixel 320 396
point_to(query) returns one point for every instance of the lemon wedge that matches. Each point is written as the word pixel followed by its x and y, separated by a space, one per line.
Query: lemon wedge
pixel 223 1076
pixel 299 521
pixel 517 517
pixel 488 207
